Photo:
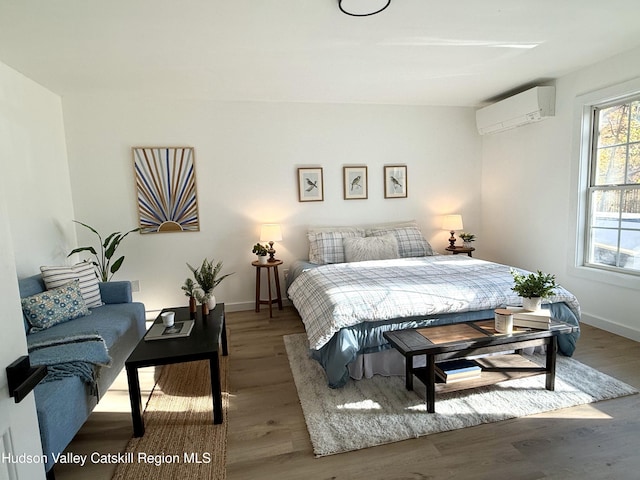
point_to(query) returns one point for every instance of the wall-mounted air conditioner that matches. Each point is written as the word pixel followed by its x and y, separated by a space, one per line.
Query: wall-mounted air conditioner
pixel 529 106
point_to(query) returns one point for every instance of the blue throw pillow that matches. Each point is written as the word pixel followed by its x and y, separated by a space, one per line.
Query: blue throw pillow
pixel 54 306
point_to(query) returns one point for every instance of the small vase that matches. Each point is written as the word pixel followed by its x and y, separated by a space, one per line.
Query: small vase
pixel 193 306
pixel 262 259
pixel 205 309
pixel 466 244
pixel 532 304
pixel 211 303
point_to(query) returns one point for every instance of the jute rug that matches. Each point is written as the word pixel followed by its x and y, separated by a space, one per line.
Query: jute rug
pixel 380 410
pixel 180 441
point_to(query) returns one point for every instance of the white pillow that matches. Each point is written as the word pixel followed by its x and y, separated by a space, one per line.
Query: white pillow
pixel 326 247
pixel 411 243
pixel 370 248
pixel 84 272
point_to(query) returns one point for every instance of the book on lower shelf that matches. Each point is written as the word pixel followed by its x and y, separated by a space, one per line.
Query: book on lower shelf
pixel 457 370
pixel 179 329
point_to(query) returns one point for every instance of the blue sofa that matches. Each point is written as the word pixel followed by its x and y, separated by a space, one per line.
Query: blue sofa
pixel 63 405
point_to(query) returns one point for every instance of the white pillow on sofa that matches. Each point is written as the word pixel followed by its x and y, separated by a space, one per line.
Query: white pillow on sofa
pixel 84 272
pixel 360 249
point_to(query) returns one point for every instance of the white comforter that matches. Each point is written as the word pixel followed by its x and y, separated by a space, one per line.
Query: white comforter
pixel 331 297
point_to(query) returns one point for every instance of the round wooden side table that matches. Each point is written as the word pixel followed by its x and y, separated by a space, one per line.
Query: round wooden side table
pixel 457 250
pixel 269 266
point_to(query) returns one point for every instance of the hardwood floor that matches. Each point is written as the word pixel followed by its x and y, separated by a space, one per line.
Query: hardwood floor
pixel 268 439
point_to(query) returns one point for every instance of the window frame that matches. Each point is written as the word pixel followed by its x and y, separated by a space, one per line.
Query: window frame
pixel 580 173
pixel 593 187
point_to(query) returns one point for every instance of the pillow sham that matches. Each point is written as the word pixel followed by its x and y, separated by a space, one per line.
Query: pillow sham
pixel 58 305
pixel 327 247
pixel 411 243
pixel 360 249
pixel 84 272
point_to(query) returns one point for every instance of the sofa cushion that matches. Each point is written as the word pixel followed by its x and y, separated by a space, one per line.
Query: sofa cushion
pixel 85 273
pixel 49 308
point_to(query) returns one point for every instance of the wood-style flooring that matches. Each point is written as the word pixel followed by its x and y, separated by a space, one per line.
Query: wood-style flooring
pixel 268 440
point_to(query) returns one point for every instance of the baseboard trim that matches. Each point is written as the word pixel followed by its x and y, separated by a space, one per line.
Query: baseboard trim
pixel 610 326
pixel 228 307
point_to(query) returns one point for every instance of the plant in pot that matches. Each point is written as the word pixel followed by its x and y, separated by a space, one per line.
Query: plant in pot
pixel 261 251
pixel 108 248
pixel 467 238
pixel 533 287
pixel 207 277
pixel 189 289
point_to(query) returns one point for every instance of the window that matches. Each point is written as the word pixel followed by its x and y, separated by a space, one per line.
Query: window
pixel 613 213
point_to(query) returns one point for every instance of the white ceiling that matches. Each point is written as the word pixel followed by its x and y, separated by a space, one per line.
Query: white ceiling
pixel 451 52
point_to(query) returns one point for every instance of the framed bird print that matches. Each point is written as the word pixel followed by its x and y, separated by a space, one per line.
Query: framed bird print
pixel 355 183
pixel 310 185
pixel 395 181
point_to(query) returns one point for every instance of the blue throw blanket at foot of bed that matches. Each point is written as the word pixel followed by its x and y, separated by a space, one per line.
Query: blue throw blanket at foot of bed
pixel 78 355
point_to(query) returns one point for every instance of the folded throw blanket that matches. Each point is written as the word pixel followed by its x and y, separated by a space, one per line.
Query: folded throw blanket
pixel 77 355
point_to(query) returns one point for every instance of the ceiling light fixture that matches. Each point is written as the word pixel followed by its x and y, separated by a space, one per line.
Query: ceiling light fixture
pixel 354 14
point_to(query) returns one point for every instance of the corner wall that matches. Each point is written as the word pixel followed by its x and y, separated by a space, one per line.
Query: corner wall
pixel 37 188
pixel 529 185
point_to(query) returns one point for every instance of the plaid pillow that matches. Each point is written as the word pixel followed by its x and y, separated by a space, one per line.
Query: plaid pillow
pixel 326 247
pixel 51 307
pixel 411 243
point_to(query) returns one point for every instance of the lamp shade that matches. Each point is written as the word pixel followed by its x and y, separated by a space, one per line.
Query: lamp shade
pixel 452 222
pixel 270 232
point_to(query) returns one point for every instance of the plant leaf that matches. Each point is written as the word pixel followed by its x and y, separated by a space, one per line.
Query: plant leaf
pixel 83 249
pixel 116 265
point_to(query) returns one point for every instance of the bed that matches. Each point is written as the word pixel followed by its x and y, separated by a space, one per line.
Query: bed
pixel 348 300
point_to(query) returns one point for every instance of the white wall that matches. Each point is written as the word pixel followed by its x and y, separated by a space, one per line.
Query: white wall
pixel 34 163
pixel 246 160
pixel 529 191
pixel 35 227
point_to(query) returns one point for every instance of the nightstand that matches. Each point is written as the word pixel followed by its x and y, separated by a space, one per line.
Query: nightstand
pixel 270 267
pixel 457 250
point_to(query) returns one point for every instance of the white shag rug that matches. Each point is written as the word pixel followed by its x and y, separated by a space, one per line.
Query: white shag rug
pixel 380 410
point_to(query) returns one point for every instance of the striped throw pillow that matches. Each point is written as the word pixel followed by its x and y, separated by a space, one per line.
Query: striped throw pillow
pixel 83 272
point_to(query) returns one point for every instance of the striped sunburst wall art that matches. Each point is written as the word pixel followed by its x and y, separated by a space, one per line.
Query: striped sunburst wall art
pixel 166 189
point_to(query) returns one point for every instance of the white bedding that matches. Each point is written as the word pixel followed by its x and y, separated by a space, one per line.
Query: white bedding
pixel 331 297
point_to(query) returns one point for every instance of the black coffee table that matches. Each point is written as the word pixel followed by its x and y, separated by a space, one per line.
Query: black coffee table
pixel 203 343
pixel 459 340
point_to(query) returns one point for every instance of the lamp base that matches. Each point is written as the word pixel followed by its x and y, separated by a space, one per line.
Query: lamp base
pixel 271 252
pixel 452 239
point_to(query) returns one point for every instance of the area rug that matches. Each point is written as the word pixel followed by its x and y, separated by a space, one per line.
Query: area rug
pixel 380 410
pixel 180 440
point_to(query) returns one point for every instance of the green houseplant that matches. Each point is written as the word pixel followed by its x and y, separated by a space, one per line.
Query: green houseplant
pixel 189 288
pixel 261 251
pixel 467 238
pixel 108 248
pixel 533 287
pixel 207 278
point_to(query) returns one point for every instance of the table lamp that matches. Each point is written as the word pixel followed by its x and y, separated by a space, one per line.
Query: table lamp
pixel 452 223
pixel 271 232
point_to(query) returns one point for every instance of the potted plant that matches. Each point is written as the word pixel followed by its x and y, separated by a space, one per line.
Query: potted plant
pixel 108 249
pixel 189 289
pixel 467 238
pixel 207 278
pixel 533 287
pixel 261 251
